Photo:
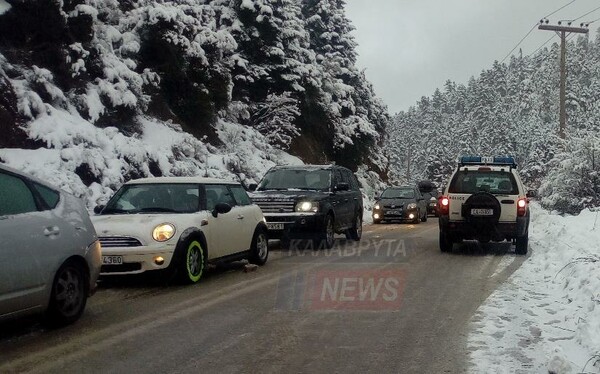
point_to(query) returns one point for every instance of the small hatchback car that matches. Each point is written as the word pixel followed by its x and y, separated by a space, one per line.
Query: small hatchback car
pixel 485 200
pixel 404 203
pixel 49 255
pixel 180 224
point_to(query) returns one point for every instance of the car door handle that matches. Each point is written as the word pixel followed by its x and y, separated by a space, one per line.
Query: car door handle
pixel 50 231
pixel 240 217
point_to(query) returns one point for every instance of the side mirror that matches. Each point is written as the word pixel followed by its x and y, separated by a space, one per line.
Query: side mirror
pixel 98 208
pixel 342 187
pixel 252 187
pixel 221 208
pixel 531 193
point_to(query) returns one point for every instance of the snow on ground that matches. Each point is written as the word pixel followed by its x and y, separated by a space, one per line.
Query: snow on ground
pixel 546 317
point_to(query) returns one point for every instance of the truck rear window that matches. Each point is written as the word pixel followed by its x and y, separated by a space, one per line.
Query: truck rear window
pixel 495 182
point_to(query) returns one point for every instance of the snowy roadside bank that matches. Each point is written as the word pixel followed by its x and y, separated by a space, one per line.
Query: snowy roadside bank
pixel 546 317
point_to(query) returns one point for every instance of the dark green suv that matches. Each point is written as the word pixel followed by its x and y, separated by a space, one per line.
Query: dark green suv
pixel 310 202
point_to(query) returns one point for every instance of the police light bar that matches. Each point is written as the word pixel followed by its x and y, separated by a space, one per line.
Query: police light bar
pixel 478 160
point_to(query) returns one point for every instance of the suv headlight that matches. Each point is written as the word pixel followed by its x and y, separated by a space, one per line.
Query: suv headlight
pixel 411 206
pixel 307 206
pixel 163 232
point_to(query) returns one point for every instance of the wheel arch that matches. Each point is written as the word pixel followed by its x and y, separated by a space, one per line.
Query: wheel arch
pixel 193 233
pixel 80 261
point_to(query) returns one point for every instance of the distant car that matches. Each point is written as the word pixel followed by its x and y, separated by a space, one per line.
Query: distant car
pixel 430 194
pixel 310 202
pixel 179 224
pixel 404 203
pixel 50 255
pixel 432 204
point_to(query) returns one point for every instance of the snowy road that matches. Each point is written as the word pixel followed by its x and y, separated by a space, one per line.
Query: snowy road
pixel 394 303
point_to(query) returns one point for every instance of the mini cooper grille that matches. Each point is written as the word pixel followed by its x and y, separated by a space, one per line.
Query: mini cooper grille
pixel 276 206
pixel 124 268
pixel 119 241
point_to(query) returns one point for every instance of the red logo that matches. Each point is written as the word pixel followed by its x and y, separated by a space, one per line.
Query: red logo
pixel 365 289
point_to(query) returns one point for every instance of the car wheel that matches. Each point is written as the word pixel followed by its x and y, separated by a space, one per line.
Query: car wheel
pixel 192 262
pixel 521 245
pixel 355 232
pixel 259 251
pixel 326 239
pixel 445 242
pixel 68 296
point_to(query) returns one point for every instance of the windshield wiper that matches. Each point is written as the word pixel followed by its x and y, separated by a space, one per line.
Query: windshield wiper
pixel 157 209
pixel 115 210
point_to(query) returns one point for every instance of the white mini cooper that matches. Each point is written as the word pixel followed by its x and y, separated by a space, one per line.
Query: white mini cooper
pixel 180 224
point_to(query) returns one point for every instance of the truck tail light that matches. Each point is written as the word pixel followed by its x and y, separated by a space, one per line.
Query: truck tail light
pixel 444 205
pixel 521 207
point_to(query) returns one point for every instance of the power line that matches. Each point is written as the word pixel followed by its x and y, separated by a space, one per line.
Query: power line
pixel 543 45
pixel 590 12
pixel 532 28
pixel 561 8
pixel 519 43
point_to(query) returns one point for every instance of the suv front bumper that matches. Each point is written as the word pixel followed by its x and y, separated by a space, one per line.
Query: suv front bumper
pixel 496 232
pixel 294 225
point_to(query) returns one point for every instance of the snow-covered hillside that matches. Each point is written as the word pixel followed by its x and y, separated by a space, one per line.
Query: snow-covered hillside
pixel 94 93
pixel 546 318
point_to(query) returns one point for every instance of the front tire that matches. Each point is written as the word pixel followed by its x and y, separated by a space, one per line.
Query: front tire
pixel 259 251
pixel 326 238
pixel 192 262
pixel 68 296
pixel 355 232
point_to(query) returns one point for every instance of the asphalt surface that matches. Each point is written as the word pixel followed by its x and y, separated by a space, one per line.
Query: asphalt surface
pixel 391 303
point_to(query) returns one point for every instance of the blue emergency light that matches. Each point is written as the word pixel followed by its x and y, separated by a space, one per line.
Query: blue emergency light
pixel 496 160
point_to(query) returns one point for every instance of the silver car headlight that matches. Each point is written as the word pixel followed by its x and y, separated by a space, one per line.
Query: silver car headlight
pixel 411 206
pixel 307 206
pixel 377 206
pixel 163 232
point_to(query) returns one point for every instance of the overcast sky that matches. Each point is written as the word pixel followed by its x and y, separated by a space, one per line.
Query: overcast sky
pixel 411 47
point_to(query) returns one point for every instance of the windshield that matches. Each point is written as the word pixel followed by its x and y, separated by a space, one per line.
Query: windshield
pixel 398 193
pixel 301 179
pixel 154 198
pixel 495 182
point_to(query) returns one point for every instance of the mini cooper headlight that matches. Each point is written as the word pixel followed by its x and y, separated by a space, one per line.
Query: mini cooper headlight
pixel 307 206
pixel 163 232
pixel 411 206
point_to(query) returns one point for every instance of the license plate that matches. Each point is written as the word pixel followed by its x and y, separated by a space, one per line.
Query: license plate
pixel 394 212
pixel 482 212
pixel 112 260
pixel 275 226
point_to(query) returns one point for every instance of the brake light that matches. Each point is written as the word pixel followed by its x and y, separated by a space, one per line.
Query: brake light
pixel 485 169
pixel 521 207
pixel 444 205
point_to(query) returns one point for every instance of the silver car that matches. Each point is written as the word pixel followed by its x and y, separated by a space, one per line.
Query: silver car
pixel 49 253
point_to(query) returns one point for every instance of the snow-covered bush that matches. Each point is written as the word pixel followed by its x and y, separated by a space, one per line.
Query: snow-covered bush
pixel 573 180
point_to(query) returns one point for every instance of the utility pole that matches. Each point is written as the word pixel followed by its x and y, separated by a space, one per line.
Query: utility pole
pixel 562 31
